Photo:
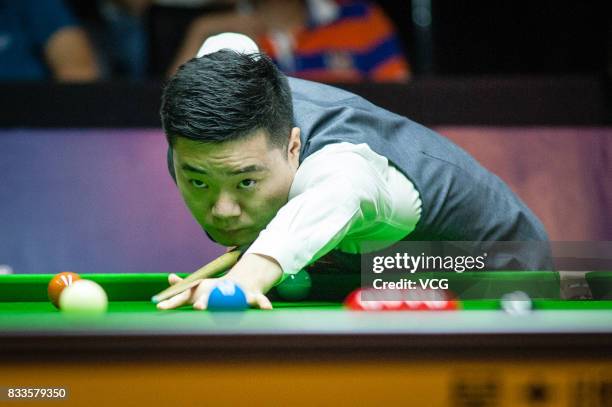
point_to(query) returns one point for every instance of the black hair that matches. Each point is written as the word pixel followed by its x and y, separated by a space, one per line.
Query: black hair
pixel 225 96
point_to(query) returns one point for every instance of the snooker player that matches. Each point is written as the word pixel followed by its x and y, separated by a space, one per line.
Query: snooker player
pixel 294 169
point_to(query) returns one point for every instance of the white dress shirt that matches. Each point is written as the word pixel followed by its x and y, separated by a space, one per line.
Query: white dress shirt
pixel 344 197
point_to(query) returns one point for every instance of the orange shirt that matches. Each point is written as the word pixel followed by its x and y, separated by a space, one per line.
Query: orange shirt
pixel 342 41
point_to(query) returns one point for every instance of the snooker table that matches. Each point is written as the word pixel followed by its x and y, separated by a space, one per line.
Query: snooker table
pixel 313 352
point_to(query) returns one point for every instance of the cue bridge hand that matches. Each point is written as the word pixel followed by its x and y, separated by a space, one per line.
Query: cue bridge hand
pixel 255 298
pixel 197 295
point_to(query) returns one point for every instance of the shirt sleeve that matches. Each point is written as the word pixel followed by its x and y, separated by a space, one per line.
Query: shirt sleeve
pixel 43 18
pixel 337 192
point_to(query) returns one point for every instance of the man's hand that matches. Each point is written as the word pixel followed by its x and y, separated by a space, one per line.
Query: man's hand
pixel 255 274
pixel 198 295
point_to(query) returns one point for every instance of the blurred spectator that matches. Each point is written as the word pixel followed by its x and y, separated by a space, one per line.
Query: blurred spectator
pixel 324 40
pixel 124 46
pixel 119 32
pixel 168 24
pixel 40 39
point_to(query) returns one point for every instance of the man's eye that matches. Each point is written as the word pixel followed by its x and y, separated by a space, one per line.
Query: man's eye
pixel 198 184
pixel 247 183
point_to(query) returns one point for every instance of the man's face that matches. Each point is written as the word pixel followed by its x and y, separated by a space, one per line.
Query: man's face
pixel 234 188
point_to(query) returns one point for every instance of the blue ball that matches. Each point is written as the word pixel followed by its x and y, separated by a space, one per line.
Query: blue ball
pixel 227 296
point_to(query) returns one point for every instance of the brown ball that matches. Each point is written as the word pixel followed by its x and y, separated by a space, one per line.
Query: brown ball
pixel 58 283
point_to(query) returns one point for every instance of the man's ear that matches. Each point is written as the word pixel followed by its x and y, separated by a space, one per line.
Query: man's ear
pixel 294 146
pixel 170 159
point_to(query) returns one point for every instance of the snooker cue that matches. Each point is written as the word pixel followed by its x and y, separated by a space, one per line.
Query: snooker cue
pixel 215 267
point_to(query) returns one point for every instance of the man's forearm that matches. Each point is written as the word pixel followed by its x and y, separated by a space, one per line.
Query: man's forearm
pixel 256 272
pixel 70 56
pixel 205 26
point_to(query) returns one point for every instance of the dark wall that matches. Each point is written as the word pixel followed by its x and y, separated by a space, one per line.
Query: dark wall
pixel 506 36
pixel 491 100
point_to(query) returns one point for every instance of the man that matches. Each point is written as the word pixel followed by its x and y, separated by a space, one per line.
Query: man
pixel 296 169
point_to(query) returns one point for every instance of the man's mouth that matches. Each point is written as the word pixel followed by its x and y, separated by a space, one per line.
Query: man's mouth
pixel 232 230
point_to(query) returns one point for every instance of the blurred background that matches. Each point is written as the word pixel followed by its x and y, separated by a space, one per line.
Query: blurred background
pixel 523 86
pixel 379 40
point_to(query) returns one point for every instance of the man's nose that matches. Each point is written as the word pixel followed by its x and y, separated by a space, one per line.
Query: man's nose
pixel 225 207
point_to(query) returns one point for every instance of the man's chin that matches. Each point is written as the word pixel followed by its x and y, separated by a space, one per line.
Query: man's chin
pixel 228 240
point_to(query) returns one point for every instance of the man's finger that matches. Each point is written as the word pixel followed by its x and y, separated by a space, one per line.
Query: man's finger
pixel 261 301
pixel 202 301
pixel 203 292
pixel 173 279
pixel 176 301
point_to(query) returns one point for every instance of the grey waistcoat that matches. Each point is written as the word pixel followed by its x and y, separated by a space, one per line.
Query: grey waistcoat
pixel 461 201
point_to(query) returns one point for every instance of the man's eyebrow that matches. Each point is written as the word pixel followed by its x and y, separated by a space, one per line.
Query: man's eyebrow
pixel 243 170
pixel 187 167
pixel 248 168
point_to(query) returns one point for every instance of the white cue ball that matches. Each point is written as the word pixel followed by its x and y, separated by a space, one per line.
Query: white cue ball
pixel 83 297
